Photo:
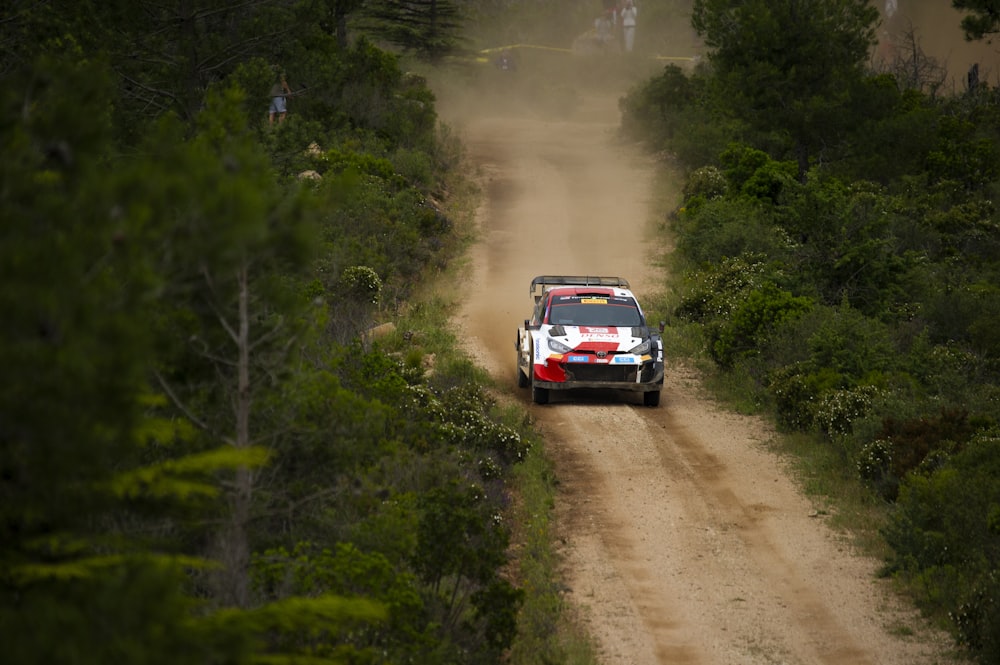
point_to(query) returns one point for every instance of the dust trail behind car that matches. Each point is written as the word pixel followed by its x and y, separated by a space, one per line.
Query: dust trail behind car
pixel 685 539
pixel 548 211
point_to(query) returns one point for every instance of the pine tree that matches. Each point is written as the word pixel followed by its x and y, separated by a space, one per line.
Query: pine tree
pixel 788 67
pixel 107 468
pixel 83 580
pixel 428 28
pixel 982 20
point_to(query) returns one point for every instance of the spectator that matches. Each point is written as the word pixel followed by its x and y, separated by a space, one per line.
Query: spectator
pixel 604 25
pixel 279 100
pixel 628 16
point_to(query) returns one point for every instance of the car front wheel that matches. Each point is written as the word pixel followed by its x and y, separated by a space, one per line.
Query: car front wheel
pixel 540 395
pixel 651 398
pixel 522 379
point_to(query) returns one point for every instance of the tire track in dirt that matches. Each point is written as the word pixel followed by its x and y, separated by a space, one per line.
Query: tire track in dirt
pixel 684 541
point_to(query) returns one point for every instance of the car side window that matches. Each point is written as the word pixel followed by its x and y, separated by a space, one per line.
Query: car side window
pixel 537 316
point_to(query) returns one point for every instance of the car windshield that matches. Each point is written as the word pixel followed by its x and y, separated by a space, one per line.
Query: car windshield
pixel 618 312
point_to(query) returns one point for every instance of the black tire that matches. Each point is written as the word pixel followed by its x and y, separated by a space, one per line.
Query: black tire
pixel 522 379
pixel 651 398
pixel 539 395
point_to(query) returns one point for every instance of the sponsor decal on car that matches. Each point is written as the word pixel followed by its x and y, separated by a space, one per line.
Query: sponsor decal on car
pixel 578 359
pixel 594 301
pixel 624 360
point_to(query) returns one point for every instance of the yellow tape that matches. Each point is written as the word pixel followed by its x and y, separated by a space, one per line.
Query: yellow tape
pixel 498 49
pixel 514 46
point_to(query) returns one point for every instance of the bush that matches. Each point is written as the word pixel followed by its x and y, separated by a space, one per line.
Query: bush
pixel 669 112
pixel 649 110
pixel 717 290
pixel 708 183
pixel 362 284
pixel 755 317
pixel 903 447
pixel 945 539
pixel 714 230
pixel 839 409
pixel 850 343
pixel 755 175
pixel 796 391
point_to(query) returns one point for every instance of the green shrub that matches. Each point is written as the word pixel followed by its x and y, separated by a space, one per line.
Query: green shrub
pixel 469 424
pixel 977 619
pixel 708 182
pixel 839 409
pixel 713 230
pixel 753 173
pixel 361 283
pixel 311 570
pixel 902 447
pixel 845 249
pixel 796 392
pixel 875 468
pixel 759 313
pixel 962 156
pixel 649 110
pixel 716 290
pixel 945 539
pixel 850 343
pixel 416 167
pixel 670 112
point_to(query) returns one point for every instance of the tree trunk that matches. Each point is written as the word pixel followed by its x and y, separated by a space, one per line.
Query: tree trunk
pixel 235 546
pixel 802 154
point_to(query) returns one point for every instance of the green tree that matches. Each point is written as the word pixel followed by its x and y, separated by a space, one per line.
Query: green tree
pixel 788 67
pixel 235 240
pixel 335 15
pixel 82 579
pixel 983 19
pixel 429 28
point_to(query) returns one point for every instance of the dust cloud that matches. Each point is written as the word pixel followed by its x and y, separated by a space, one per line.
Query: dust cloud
pixel 561 195
pixel 936 27
pixel 681 539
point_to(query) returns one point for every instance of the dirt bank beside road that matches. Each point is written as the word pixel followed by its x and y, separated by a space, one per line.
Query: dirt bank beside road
pixel 684 539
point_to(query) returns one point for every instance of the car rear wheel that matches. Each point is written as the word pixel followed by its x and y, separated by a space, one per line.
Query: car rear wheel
pixel 540 395
pixel 651 398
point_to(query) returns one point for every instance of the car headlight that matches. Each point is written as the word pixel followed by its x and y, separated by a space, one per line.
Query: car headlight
pixel 642 349
pixel 558 347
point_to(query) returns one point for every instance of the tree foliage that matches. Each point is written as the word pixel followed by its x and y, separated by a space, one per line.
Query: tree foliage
pixel 189 407
pixel 428 28
pixel 788 67
pixel 982 20
pixel 837 243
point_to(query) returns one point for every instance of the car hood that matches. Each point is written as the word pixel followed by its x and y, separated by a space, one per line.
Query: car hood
pixel 598 338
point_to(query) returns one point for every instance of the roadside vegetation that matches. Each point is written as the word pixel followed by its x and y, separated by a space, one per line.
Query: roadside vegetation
pixel 836 269
pixel 230 431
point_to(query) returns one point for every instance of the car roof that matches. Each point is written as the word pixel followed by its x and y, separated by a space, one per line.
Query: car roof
pixel 588 290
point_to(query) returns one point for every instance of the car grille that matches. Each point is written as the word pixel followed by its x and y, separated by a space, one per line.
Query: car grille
pixel 616 373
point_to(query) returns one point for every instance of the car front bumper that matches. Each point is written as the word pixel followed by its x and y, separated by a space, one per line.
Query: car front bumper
pixel 636 377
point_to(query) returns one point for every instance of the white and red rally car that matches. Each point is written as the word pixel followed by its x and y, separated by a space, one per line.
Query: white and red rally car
pixel 588 332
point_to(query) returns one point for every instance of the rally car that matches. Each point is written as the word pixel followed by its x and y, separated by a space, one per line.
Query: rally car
pixel 588 332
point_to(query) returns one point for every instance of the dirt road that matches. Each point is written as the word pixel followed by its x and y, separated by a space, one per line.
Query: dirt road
pixel 685 540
